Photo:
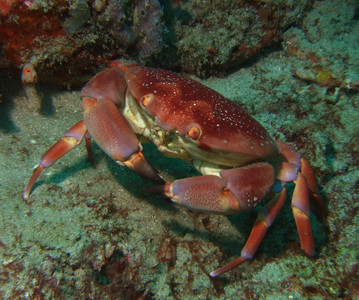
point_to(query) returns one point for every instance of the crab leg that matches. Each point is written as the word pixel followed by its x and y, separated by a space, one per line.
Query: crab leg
pixel 315 199
pixel 264 219
pixel 69 140
pixel 289 169
pixel 89 150
pixel 301 212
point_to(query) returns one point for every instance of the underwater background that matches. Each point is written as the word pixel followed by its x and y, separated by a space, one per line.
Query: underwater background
pixel 88 234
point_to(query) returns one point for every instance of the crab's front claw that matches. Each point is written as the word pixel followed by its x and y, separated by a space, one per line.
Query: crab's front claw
pixel 114 135
pixel 233 191
pixel 138 164
pixel 204 193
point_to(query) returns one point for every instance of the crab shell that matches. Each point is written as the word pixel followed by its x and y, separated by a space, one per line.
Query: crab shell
pixel 215 124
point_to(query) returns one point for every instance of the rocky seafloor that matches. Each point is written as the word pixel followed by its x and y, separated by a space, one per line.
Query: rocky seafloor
pixel 88 234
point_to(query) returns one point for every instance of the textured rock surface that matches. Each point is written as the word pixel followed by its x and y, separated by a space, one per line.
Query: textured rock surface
pixel 68 41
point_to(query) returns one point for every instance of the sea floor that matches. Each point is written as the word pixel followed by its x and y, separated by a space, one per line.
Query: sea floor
pixel 96 234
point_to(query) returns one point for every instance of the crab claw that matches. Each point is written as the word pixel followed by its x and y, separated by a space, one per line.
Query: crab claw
pixel 138 164
pixel 233 191
pixel 204 193
pixel 114 135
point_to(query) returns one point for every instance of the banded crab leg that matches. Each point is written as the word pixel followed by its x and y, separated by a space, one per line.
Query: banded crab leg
pixel 70 139
pixel 113 134
pixel 264 220
pixel 301 213
pixel 289 168
pixel 313 188
pixel 306 190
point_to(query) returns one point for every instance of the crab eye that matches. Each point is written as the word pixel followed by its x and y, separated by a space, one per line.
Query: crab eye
pixel 194 133
pixel 146 99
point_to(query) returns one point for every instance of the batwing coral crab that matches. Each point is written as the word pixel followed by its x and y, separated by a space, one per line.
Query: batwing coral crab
pixel 240 163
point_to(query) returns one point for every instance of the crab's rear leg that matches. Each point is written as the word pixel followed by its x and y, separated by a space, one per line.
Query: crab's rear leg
pixel 293 163
pixel 306 190
pixel 69 140
pixel 266 216
pixel 301 213
pixel 313 188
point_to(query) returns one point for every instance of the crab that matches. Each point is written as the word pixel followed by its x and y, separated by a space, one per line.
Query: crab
pixel 241 164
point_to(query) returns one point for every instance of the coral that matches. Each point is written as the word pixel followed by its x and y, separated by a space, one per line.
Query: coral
pixel 68 41
pixel 22 30
pixel 120 27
